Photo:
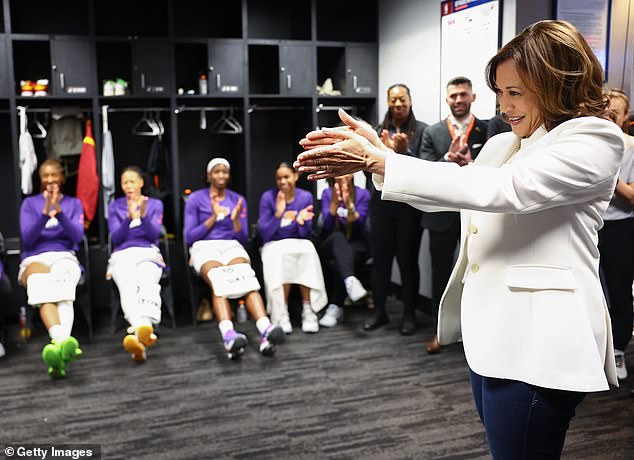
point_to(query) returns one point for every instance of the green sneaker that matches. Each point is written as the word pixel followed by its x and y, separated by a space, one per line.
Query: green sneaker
pixel 70 350
pixel 52 357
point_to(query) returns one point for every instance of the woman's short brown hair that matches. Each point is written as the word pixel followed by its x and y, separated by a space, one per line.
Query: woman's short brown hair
pixel 556 63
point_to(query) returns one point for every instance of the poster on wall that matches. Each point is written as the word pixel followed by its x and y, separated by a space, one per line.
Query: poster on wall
pixel 470 36
pixel 592 18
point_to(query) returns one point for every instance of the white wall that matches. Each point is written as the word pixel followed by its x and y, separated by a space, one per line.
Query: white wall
pixel 621 50
pixel 409 51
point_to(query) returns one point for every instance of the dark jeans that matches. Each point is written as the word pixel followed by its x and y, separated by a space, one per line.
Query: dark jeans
pixel 346 254
pixel 395 231
pixel 522 421
pixel 616 246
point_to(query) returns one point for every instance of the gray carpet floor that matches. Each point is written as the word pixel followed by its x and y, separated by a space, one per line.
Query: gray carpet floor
pixel 339 394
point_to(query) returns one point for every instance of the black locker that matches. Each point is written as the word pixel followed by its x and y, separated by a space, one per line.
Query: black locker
pixel 361 70
pixel 152 67
pixel 297 69
pixel 226 67
pixel 71 66
pixel 4 70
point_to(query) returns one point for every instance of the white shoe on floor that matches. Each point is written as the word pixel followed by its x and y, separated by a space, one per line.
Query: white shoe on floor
pixel 621 368
pixel 310 322
pixel 332 316
pixel 285 324
pixel 355 289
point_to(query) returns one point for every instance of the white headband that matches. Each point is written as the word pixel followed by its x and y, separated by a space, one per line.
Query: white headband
pixel 217 161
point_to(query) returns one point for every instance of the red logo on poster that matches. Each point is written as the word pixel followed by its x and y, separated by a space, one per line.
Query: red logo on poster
pixel 446 8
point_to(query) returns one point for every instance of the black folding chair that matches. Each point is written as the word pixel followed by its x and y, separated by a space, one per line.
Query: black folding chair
pixel 196 286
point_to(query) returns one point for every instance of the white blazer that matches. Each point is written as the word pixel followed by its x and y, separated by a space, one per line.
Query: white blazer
pixel 525 294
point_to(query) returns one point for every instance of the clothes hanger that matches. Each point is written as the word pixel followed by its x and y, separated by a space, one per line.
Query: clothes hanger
pixel 41 132
pixel 156 118
pixel 227 124
pixel 233 121
pixel 104 118
pixel 22 115
pixel 146 126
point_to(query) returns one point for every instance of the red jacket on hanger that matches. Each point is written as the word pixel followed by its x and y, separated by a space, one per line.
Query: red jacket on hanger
pixel 87 178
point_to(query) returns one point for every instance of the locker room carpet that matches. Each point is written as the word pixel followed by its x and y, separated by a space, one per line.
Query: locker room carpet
pixel 340 394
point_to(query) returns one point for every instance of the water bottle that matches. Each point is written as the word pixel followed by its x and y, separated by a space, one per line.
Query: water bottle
pixel 242 311
pixel 202 84
pixel 25 330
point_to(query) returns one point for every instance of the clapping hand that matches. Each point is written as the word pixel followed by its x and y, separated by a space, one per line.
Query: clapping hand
pixel 321 137
pixel 235 212
pixel 280 204
pixel 53 197
pixel 345 194
pixel 333 152
pixel 459 151
pixel 143 206
pixel 342 192
pixel 216 209
pixel 137 207
pixel 305 214
pixel 337 193
pixel 397 142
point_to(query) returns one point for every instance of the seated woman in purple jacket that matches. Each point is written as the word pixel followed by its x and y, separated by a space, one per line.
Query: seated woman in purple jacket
pixel 344 209
pixel 215 228
pixel 136 264
pixel 288 256
pixel 52 225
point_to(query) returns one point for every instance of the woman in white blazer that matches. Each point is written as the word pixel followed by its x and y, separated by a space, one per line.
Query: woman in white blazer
pixel 524 295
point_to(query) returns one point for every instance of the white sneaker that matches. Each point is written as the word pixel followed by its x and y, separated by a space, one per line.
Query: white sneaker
pixel 621 368
pixel 285 324
pixel 355 289
pixel 310 322
pixel 108 88
pixel 332 316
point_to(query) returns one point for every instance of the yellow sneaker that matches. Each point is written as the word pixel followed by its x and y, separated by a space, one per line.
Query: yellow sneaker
pixel 135 348
pixel 146 335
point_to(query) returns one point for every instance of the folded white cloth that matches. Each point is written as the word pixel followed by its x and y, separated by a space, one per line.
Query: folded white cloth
pixel 292 261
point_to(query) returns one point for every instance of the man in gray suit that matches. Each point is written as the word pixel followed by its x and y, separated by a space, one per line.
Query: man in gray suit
pixel 457 138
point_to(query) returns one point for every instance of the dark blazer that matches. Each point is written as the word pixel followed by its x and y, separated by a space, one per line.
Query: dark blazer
pixel 413 150
pixel 436 142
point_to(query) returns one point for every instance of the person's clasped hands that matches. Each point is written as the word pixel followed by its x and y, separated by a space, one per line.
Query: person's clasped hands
pixel 53 197
pixel 333 152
